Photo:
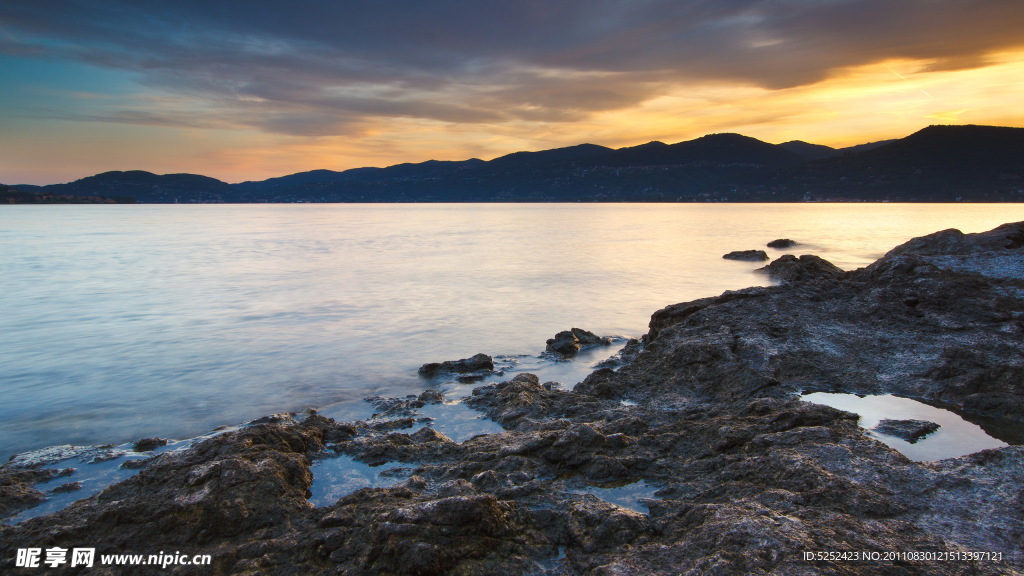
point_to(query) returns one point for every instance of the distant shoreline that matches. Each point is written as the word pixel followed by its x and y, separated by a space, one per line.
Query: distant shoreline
pixel 936 164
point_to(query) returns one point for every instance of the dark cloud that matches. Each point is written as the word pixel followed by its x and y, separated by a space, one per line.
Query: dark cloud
pixel 315 67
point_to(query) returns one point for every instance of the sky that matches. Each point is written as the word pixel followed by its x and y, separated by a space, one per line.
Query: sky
pixel 248 90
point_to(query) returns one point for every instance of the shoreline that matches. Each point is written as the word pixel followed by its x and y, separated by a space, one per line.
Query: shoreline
pixel 744 476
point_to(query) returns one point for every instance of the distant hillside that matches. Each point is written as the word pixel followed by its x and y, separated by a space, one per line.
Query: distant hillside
pixel 722 150
pixel 939 163
pixel 17 195
pixel 151 188
pixel 864 147
pixel 579 153
pixel 809 151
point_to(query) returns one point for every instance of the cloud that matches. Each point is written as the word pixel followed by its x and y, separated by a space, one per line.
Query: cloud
pixel 320 68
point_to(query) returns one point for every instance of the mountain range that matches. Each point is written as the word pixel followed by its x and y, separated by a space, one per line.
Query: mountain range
pixel 935 164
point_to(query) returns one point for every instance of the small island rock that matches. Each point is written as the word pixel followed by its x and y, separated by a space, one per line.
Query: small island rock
pixel 782 243
pixel 789 268
pixel 747 255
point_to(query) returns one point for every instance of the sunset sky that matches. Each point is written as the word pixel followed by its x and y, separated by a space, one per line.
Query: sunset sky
pixel 255 89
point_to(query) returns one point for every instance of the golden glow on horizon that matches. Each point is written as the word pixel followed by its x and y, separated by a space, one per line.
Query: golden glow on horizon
pixel 889 99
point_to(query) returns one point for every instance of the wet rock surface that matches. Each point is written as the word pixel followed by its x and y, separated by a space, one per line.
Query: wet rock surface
pixel 782 243
pixel 747 255
pixel 909 430
pixel 748 478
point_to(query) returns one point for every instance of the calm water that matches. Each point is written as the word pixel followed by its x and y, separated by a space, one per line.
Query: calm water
pixel 119 322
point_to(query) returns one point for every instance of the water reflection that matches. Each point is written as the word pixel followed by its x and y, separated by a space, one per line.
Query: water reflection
pixel 338 476
pixel 955 437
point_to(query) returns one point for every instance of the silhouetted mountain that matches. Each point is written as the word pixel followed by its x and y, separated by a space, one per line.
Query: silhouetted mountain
pixel 714 149
pixel 939 163
pixel 311 177
pixel 864 147
pixel 151 188
pixel 809 151
pixel 581 152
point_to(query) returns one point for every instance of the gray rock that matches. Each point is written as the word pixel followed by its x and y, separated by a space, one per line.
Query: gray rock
pixel 782 243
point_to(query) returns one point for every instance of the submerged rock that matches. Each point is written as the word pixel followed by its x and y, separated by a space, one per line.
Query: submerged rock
pixel 477 363
pixel 782 243
pixel 747 255
pixel 909 430
pixel 569 342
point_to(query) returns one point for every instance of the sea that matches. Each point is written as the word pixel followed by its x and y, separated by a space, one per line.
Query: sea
pixel 127 321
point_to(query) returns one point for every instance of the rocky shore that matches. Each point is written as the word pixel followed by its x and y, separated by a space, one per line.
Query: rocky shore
pixel 740 476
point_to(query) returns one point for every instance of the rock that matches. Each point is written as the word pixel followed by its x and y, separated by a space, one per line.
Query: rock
pixel 431 397
pixel 782 243
pixel 278 418
pixel 392 424
pixel 429 435
pixel 569 342
pixel 392 407
pixel 909 430
pixel 477 363
pixel 66 487
pixel 564 343
pixel 789 268
pixel 18 489
pixel 747 255
pixel 507 402
pixel 147 444
pixel 135 463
